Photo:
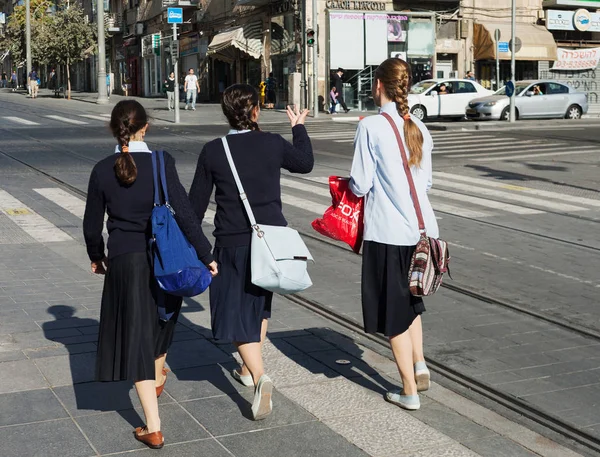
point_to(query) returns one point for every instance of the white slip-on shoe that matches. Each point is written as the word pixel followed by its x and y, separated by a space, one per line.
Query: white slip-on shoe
pixel 422 377
pixel 409 402
pixel 245 380
pixel 262 404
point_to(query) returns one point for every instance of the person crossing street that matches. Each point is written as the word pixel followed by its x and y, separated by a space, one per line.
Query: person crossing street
pixel 191 88
pixel 170 86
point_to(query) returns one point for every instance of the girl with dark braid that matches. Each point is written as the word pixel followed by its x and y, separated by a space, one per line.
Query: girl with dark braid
pixel 137 319
pixel 239 309
pixel 391 228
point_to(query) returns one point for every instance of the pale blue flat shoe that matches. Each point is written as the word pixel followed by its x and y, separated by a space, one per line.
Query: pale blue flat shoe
pixel 409 402
pixel 422 376
pixel 262 404
pixel 245 380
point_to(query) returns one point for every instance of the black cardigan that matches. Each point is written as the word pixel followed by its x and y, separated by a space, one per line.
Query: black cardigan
pixel 259 158
pixel 129 209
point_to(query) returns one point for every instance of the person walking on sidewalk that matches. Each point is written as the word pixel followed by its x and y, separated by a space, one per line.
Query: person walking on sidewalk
pixel 192 89
pixel 170 85
pixel 338 82
pixel 13 80
pixel 33 83
pixel 4 79
pixel 134 333
pixel 108 85
pixel 239 309
pixel 391 228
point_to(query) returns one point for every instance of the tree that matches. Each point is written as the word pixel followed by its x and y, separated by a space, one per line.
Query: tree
pixel 68 38
pixel 14 38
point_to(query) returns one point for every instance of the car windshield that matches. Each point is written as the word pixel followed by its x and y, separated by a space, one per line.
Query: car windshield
pixel 421 87
pixel 520 88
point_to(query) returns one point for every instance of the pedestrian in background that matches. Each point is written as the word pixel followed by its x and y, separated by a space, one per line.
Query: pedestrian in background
pixel 338 82
pixel 33 83
pixel 108 85
pixel 263 88
pixel 192 89
pixel 391 229
pixel 4 79
pixel 170 85
pixel 333 98
pixel 271 87
pixel 52 79
pixel 240 310
pixel 13 80
pixel 470 75
pixel 133 338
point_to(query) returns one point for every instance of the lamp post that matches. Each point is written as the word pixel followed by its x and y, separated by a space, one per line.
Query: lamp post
pixel 512 60
pixel 102 95
pixel 28 37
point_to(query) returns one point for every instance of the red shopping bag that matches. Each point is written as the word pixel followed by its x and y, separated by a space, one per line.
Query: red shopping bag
pixel 343 220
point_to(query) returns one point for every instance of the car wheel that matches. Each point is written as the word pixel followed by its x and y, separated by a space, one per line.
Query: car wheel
pixel 505 116
pixel 419 112
pixel 574 112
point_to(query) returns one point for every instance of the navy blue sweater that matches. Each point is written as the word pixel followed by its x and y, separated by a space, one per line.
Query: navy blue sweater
pixel 129 209
pixel 259 157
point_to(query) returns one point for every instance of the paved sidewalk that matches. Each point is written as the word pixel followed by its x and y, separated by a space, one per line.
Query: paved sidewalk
pixel 50 405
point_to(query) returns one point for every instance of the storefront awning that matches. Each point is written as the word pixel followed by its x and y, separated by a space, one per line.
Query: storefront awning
pixel 247 39
pixel 536 42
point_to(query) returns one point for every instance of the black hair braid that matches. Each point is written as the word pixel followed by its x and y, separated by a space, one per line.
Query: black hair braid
pixel 238 104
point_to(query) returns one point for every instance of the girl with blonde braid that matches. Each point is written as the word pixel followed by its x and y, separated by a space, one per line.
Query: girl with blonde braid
pixel 391 229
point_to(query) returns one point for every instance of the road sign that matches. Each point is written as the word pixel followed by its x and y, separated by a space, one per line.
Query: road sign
pixel 174 49
pixel 503 46
pixel 497 35
pixel 175 15
pixel 517 46
pixel 510 88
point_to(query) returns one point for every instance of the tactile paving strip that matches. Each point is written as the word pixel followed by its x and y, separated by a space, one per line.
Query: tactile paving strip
pixel 10 233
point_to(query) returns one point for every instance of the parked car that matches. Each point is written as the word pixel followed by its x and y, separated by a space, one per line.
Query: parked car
pixel 533 99
pixel 435 98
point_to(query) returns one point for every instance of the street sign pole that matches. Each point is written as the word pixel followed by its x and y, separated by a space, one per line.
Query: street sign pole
pixel 175 16
pixel 175 57
pixel 497 35
pixel 315 61
pixel 513 50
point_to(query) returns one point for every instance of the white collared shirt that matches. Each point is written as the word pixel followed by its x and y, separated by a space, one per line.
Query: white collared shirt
pixel 378 173
pixel 134 146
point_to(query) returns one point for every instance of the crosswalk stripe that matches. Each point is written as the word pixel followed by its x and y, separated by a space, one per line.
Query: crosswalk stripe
pixel 304 204
pixel 19 120
pixel 487 145
pixel 458 210
pixel 65 119
pixel 530 156
pixel 71 203
pixel 507 196
pixel 527 190
pixel 469 139
pixel 550 147
pixel 321 191
pixel 319 179
pixel 39 228
pixel 96 118
pixel 483 202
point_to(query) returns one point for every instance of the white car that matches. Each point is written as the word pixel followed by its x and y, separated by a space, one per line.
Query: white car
pixel 436 98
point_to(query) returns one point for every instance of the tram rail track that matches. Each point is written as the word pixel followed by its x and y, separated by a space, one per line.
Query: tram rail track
pixel 548 420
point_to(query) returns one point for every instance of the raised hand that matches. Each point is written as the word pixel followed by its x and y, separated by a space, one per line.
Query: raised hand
pixel 296 116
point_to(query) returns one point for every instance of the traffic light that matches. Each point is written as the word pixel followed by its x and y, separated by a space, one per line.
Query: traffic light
pixel 310 37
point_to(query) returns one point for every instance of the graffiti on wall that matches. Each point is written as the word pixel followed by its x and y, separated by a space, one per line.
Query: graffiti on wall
pixel 580 80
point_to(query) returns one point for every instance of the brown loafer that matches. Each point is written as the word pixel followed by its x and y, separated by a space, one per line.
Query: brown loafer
pixel 159 389
pixel 154 440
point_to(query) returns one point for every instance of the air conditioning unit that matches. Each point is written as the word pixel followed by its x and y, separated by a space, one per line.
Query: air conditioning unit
pixel 139 28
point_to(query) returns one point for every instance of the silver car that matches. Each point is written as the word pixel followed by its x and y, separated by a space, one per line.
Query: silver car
pixel 534 99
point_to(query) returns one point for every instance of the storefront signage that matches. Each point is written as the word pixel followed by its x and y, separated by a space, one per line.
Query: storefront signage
pixel 577 59
pixel 283 7
pixel 581 20
pixel 175 15
pixel 355 5
pixel 397 29
pixel 188 45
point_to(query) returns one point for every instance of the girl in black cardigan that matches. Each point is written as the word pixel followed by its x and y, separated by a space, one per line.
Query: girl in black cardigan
pixel 133 339
pixel 239 309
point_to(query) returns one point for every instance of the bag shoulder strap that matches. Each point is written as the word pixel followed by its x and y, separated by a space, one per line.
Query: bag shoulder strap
pixel 238 182
pixel 409 177
pixel 158 167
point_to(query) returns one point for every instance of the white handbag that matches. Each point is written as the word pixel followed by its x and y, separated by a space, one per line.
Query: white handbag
pixel 278 256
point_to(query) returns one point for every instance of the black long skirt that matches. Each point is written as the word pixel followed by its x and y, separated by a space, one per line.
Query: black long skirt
pixel 388 306
pixel 237 307
pixel 131 334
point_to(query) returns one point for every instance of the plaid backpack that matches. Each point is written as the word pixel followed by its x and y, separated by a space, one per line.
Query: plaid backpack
pixel 430 259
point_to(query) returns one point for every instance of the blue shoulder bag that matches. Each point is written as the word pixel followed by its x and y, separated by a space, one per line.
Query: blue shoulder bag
pixel 177 268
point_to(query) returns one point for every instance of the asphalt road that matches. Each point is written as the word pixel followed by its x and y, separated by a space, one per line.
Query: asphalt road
pixel 520 207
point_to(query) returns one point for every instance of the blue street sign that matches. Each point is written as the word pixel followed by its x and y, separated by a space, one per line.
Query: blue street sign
pixel 503 46
pixel 175 15
pixel 510 89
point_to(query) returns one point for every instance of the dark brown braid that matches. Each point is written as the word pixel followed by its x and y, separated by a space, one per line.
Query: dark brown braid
pixel 395 76
pixel 239 104
pixel 128 117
